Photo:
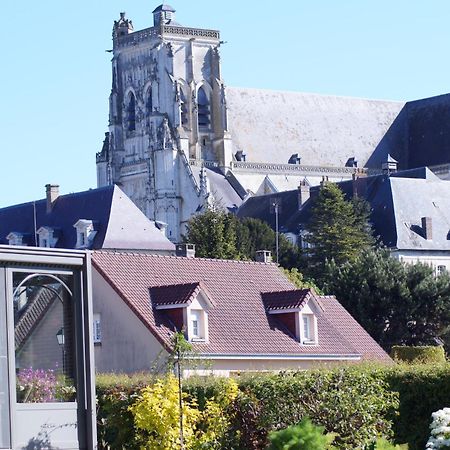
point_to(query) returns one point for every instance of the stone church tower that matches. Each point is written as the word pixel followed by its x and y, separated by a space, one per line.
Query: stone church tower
pixel 167 114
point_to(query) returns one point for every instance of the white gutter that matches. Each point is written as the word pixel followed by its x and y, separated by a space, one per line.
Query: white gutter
pixel 278 357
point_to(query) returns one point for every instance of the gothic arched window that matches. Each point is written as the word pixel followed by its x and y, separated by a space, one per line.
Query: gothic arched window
pixel 131 111
pixel 203 108
pixel 149 101
pixel 184 109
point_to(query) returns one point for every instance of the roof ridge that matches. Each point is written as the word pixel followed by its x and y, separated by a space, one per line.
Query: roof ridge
pixel 145 254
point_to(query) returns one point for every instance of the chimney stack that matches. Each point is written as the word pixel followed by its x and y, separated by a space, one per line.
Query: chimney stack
pixel 52 193
pixel 185 250
pixel 303 193
pixel 427 227
pixel 264 256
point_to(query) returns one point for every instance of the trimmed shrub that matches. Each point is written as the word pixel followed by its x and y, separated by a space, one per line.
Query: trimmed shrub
pixel 420 354
pixel 304 436
pixel 358 403
pixel 422 390
pixel 353 402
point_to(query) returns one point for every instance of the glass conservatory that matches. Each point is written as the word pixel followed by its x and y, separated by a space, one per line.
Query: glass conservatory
pixel 47 389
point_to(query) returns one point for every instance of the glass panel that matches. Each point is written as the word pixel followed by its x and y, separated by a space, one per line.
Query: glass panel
pixel 4 379
pixel 44 336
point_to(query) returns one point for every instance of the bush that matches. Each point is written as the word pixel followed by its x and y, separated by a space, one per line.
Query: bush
pixel 422 390
pixel 440 430
pixel 353 402
pixel 358 403
pixel 420 354
pixel 304 436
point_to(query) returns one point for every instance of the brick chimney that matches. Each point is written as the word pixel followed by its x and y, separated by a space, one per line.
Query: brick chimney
pixel 303 193
pixel 52 193
pixel 427 227
pixel 186 250
pixel 264 256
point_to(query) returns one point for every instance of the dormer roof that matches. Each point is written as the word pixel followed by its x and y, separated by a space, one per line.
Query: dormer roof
pixel 176 295
pixel 283 300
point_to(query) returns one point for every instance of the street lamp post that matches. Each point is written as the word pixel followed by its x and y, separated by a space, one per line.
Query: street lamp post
pixel 60 339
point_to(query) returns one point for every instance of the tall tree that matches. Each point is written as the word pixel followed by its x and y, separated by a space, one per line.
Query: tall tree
pixel 395 302
pixel 338 230
pixel 214 234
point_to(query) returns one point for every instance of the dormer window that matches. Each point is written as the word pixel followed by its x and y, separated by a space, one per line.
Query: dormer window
pixel 185 307
pixel 296 312
pixel 15 238
pixel 46 237
pixel 85 233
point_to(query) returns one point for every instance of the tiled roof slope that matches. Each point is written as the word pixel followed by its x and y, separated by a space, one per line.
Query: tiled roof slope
pixel 238 323
pixel 33 314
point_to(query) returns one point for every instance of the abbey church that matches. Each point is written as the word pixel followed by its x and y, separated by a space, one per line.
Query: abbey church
pixel 180 139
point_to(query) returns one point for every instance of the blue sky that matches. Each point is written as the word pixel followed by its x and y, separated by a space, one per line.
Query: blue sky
pixel 55 72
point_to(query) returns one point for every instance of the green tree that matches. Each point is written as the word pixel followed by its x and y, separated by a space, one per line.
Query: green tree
pixel 218 234
pixel 254 235
pixel 214 234
pixel 396 303
pixel 338 229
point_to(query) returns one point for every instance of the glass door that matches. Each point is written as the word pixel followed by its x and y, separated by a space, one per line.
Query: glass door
pixel 43 309
pixel 5 421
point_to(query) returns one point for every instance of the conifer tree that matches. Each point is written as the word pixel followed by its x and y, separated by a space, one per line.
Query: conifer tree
pixel 338 229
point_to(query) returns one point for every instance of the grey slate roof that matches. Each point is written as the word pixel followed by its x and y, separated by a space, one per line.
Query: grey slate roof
pixel 163 8
pixel 221 188
pixel 398 203
pixel 270 126
pixel 118 222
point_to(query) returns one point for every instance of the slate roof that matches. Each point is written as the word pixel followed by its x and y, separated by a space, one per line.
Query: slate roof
pixel 174 294
pixel 238 323
pixel 220 187
pixel 163 8
pixel 398 202
pixel 118 222
pixel 270 126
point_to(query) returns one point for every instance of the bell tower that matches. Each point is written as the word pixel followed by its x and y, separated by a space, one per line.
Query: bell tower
pixel 167 112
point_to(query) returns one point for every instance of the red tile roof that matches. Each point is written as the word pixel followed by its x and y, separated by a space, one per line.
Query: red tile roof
pixel 294 299
pixel 174 294
pixel 238 322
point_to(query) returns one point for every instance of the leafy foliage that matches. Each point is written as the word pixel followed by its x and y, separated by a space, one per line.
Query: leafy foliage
pixel 300 282
pixel 304 436
pixel 214 234
pixel 338 229
pixel 218 234
pixel 398 304
pixel 156 417
pixel 419 354
pixel 383 444
pixel 358 403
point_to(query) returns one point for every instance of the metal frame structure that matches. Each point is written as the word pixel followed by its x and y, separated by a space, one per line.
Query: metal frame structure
pixel 25 423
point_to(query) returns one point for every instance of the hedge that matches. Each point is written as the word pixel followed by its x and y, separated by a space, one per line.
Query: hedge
pixel 356 402
pixel 419 354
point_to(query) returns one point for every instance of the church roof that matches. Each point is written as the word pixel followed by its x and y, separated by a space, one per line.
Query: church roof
pixel 325 130
pixel 398 202
pixel 163 8
pixel 118 222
